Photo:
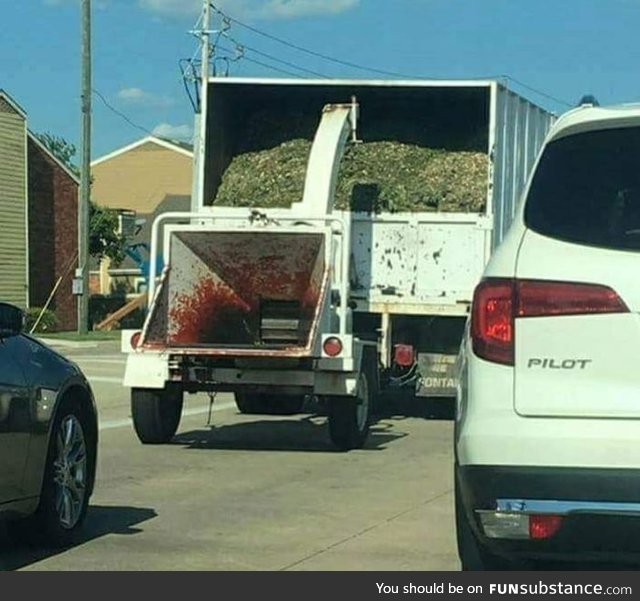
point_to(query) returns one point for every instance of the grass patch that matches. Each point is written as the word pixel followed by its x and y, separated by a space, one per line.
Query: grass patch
pixel 93 336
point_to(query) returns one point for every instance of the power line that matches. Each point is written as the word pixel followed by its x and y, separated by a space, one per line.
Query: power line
pixel 306 50
pixel 363 67
pixel 240 46
pixel 278 69
pixel 536 91
pixel 265 65
pixel 119 113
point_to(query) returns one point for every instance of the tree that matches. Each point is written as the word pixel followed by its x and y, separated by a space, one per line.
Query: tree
pixel 64 151
pixel 104 237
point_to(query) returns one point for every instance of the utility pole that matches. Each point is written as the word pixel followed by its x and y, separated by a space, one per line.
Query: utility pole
pixel 197 193
pixel 81 283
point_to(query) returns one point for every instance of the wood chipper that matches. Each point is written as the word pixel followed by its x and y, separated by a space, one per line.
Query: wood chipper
pixel 256 302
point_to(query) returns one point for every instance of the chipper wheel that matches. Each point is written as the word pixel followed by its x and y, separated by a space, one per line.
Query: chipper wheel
pixel 350 417
pixel 268 404
pixel 156 413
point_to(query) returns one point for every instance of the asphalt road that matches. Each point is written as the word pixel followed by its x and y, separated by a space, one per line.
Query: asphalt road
pixel 254 493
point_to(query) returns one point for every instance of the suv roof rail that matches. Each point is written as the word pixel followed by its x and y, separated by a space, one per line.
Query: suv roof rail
pixel 589 99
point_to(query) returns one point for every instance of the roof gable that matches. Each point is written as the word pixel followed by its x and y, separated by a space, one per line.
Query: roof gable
pixel 13 104
pixel 179 147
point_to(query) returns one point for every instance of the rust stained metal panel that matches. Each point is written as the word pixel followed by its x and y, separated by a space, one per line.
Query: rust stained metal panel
pixel 212 297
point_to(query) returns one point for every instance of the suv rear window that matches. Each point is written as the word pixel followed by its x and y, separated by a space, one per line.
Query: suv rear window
pixel 586 189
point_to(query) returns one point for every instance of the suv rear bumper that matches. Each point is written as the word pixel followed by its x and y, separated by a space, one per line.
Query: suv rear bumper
pixel 600 509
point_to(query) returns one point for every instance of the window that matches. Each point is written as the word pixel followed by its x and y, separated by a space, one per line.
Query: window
pixel 586 190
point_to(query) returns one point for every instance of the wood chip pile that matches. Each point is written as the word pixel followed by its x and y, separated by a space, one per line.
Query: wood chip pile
pixel 378 176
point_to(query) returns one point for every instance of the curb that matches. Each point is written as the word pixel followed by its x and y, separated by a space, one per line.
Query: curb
pixel 68 343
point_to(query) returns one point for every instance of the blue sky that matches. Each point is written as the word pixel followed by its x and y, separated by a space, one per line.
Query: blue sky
pixel 565 48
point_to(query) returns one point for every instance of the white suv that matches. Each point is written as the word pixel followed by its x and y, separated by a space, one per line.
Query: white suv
pixel 548 415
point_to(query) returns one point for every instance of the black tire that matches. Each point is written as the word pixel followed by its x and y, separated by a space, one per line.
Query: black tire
pixel 347 429
pixel 268 404
pixel 371 367
pixel 156 413
pixel 249 404
pixel 67 481
pixel 350 417
pixel 473 555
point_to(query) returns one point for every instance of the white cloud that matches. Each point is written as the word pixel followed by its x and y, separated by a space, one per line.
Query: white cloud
pixel 173 8
pixel 253 9
pixel 290 9
pixel 174 132
pixel 99 4
pixel 140 97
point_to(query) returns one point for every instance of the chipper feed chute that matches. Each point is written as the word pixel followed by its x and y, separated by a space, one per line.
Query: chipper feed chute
pixel 251 290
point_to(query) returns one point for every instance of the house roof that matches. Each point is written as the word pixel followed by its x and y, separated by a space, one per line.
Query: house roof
pixel 12 103
pixel 33 138
pixel 169 203
pixel 175 145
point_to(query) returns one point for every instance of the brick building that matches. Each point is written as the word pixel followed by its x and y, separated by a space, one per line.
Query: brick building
pixel 53 232
pixel 38 219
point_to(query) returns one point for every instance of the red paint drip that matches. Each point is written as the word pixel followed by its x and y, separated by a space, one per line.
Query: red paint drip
pixel 200 317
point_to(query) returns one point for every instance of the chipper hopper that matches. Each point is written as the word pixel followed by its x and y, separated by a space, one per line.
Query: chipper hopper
pixel 241 292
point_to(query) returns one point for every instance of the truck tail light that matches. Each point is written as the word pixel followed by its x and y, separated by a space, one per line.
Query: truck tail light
pixel 332 346
pixel 498 302
pixel 404 355
pixel 135 339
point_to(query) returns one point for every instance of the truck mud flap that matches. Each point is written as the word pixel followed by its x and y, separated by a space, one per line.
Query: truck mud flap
pixel 437 375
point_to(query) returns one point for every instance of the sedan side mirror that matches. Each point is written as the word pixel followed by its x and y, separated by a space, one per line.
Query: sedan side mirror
pixel 11 320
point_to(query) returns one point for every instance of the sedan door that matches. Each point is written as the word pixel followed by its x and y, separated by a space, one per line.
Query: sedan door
pixel 15 419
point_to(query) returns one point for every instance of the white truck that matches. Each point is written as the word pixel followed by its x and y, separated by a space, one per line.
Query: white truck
pixel 275 305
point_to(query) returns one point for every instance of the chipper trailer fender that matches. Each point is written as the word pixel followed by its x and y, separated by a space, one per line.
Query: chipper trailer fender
pixel 256 303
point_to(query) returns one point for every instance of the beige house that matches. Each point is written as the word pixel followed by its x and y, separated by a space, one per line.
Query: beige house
pixel 138 177
pixel 142 177
pixel 14 260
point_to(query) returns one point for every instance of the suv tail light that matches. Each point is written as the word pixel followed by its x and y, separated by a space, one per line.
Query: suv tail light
pixel 544 526
pixel 498 302
pixel 539 298
pixel 492 320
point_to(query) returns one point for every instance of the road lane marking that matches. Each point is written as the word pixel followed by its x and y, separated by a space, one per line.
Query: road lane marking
pixel 105 379
pixel 121 423
pixel 90 357
pixel 109 361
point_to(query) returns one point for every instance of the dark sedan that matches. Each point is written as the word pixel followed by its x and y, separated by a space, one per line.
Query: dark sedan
pixel 48 436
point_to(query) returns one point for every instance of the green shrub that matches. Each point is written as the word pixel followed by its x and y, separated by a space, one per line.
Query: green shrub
pixel 47 323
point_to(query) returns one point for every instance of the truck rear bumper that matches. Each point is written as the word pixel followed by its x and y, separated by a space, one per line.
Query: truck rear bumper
pixel 300 376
